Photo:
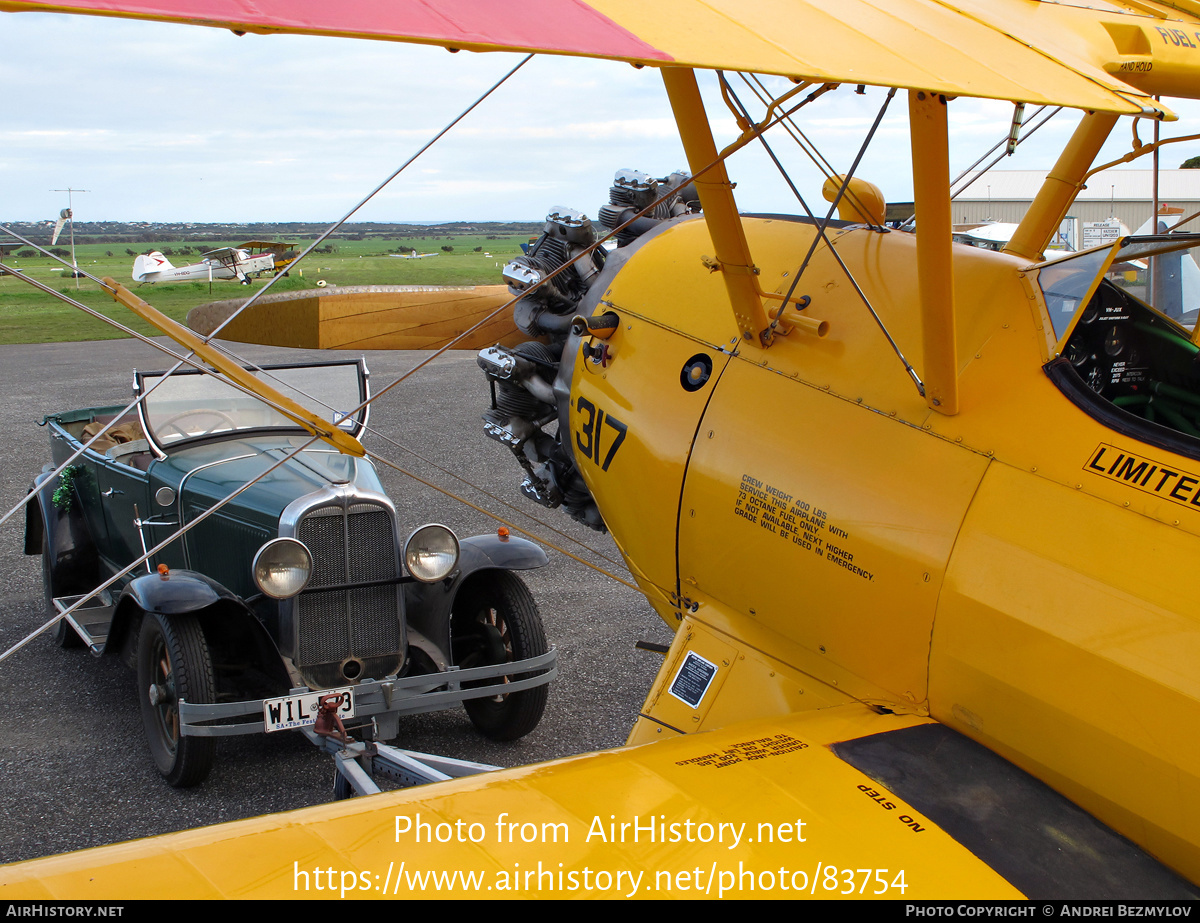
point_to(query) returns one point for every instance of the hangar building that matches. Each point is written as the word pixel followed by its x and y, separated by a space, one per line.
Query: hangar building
pixel 1004 195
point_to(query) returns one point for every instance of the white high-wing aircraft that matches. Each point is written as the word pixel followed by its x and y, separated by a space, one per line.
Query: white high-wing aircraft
pixel 222 263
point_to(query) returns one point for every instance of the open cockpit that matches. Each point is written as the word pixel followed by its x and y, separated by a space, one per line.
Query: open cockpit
pixel 1130 365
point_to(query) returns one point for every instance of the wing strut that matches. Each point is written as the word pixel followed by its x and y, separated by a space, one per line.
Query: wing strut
pixel 1061 186
pixel 931 194
pixel 716 200
pixel 320 428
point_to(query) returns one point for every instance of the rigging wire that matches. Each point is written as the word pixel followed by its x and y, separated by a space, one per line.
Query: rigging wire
pixel 827 169
pixel 834 204
pixel 1030 129
pixel 586 253
pixel 742 141
pixel 746 138
pixel 206 339
pixel 198 365
pixel 823 235
pixel 426 361
pixel 500 519
pixel 189 357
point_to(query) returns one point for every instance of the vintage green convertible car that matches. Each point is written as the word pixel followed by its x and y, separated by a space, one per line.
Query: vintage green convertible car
pixel 298 587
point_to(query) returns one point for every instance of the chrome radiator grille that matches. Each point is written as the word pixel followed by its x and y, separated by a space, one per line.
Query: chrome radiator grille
pixel 354 545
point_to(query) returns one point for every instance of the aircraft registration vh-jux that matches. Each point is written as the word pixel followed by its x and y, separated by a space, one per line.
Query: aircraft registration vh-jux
pixel 924 517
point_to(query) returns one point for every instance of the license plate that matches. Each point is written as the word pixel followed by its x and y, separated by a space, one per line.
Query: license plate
pixel 298 711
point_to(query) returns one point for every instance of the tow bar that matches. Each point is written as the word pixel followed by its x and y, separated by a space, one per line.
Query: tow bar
pixel 359 763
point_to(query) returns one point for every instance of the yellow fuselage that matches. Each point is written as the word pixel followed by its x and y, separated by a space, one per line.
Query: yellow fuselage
pixel 978 568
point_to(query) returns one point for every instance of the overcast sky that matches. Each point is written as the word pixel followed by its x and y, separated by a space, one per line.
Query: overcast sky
pixel 167 122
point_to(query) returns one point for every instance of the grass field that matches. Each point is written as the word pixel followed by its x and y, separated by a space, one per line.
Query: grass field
pixel 30 316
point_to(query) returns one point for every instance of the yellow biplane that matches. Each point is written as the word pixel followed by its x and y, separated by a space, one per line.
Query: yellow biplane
pixel 923 516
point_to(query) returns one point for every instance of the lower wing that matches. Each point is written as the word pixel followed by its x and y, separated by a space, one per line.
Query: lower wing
pixel 829 803
pixel 368 317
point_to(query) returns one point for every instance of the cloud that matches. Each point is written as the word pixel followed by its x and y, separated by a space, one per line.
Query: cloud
pixel 167 122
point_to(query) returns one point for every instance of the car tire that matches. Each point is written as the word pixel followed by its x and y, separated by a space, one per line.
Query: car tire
pixel 342 789
pixel 64 635
pixel 173 663
pixel 496 620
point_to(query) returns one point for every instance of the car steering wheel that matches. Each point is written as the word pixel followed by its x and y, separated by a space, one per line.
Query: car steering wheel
pixel 173 422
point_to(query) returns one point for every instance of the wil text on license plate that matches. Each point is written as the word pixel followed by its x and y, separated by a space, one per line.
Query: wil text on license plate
pixel 296 711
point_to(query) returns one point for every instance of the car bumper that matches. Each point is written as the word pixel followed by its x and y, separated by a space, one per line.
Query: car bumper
pixel 408 695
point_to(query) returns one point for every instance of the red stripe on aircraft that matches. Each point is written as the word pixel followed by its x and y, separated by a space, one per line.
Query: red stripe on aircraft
pixel 567 26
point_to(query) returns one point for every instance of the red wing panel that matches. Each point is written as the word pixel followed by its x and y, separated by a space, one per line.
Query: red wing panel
pixel 557 26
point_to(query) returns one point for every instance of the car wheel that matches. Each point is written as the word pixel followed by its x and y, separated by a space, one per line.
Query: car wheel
pixel 174 663
pixel 64 635
pixel 495 620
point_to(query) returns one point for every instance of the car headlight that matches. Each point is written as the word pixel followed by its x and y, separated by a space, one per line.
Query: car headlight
pixel 282 567
pixel 431 553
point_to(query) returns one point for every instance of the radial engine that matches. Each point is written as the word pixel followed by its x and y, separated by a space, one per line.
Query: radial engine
pixel 531 382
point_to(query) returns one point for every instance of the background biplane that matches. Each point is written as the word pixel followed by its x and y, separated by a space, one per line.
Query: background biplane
pixel 898 499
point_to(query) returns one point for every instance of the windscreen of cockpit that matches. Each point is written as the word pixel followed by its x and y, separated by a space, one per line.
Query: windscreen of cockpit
pixel 1140 359
pixel 1066 282
pixel 1161 270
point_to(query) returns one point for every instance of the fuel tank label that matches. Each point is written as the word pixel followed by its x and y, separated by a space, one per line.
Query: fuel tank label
pixel 1146 474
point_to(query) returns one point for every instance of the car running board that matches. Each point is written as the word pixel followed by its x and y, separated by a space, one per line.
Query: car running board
pixel 91 620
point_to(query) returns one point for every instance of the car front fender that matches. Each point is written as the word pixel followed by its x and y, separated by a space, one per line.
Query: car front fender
pixel 481 551
pixel 428 605
pixel 232 630
pixel 176 592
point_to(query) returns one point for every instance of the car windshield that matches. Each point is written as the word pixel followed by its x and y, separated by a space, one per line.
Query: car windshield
pixel 192 405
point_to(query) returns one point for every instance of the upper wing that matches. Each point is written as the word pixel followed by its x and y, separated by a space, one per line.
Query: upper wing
pixel 225 254
pixel 1001 49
